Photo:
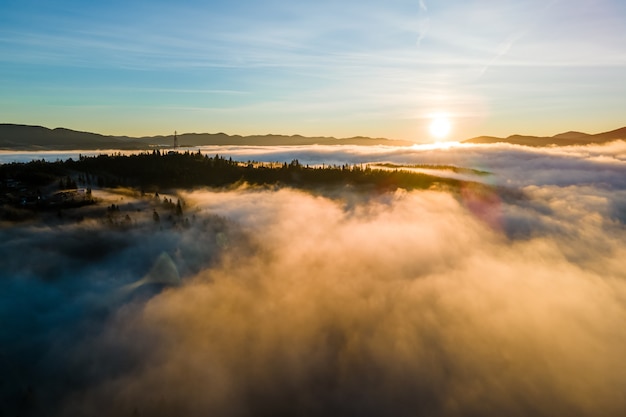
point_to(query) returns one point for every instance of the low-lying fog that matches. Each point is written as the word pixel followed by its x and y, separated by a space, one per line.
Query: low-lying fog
pixel 280 302
pixel 513 165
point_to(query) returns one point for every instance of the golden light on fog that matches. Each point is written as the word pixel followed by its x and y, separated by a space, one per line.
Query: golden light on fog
pixel 440 126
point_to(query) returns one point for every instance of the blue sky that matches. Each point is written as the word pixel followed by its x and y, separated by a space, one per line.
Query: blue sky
pixel 322 67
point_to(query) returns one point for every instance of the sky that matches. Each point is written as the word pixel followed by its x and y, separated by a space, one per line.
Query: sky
pixel 327 68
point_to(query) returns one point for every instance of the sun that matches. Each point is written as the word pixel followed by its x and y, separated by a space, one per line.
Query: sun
pixel 440 126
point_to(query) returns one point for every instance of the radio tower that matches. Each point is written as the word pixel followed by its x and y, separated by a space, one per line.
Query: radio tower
pixel 175 140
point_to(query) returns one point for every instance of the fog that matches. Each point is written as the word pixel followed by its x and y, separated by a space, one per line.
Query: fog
pixel 512 165
pixel 274 301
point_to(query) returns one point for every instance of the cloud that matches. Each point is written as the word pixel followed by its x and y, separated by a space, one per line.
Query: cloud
pixel 503 49
pixel 449 304
pixel 406 304
pixel 423 22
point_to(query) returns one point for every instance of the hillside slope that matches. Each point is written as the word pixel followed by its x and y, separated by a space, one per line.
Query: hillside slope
pixel 23 137
pixel 562 139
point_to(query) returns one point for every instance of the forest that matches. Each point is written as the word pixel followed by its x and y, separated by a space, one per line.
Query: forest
pixel 38 184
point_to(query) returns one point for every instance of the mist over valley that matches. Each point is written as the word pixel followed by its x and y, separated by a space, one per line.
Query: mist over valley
pixel 497 288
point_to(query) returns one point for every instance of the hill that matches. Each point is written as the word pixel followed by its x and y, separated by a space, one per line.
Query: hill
pixel 33 138
pixel 24 137
pixel 562 139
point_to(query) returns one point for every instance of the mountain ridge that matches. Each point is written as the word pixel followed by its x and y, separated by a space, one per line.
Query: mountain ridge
pixel 33 137
pixel 30 137
pixel 561 139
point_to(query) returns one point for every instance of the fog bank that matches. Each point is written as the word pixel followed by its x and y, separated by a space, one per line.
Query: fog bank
pixel 281 302
pixel 408 304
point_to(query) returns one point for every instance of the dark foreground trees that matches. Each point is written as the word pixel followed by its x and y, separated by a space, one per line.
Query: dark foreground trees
pixel 185 169
pixel 21 184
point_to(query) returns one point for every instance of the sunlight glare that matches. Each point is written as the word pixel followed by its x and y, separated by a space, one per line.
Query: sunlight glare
pixel 440 126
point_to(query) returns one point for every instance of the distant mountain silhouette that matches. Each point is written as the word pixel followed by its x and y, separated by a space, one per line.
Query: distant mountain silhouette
pixel 21 137
pixel 571 135
pixel 24 137
pixel 562 139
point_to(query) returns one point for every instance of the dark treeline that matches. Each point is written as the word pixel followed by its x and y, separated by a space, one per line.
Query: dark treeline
pixel 186 169
pixel 453 168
